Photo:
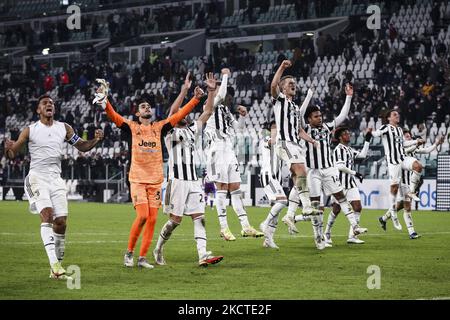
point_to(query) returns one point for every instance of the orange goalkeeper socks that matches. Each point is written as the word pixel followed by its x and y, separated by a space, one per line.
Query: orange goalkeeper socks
pixel 148 231
pixel 139 222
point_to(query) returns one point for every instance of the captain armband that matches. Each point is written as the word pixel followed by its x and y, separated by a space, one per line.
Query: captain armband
pixel 75 138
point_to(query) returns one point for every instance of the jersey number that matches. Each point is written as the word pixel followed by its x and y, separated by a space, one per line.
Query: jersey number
pixel 158 195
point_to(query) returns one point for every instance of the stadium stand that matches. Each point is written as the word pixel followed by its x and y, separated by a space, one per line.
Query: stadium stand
pixel 403 66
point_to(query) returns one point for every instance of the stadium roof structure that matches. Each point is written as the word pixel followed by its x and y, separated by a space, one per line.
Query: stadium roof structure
pixel 277 30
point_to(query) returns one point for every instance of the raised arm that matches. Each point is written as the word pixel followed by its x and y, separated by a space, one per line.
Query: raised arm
pixel 240 123
pixel 378 133
pixel 432 147
pixel 13 147
pixel 362 154
pixel 346 108
pixel 113 115
pixel 274 86
pixel 187 108
pixel 101 99
pixel 223 87
pixel 184 90
pixel 79 143
pixel 304 106
pixel 209 106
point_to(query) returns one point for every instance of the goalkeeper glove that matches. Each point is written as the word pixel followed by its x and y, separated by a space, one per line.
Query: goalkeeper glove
pixel 368 136
pixel 359 176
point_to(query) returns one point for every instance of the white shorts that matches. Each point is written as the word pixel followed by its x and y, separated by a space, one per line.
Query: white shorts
pixel 184 197
pixel 402 194
pixel 223 166
pixel 326 179
pixel 46 191
pixel 290 152
pixel 351 195
pixel 395 170
pixel 273 189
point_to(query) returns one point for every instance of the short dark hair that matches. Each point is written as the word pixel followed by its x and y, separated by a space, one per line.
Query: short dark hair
pixel 339 131
pixel 286 77
pixel 141 100
pixel 388 113
pixel 42 97
pixel 311 110
pixel 405 130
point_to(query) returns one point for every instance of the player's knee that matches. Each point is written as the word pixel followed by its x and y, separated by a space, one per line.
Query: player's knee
pixel 47 215
pixel 234 186
pixel 336 209
pixel 60 225
pixel 176 219
pixel 417 166
pixel 357 206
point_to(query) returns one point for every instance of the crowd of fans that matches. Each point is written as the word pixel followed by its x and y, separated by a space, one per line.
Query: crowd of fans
pixel 411 76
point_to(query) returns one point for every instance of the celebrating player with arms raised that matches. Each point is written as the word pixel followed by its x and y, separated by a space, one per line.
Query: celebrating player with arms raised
pixel 44 187
pixel 146 172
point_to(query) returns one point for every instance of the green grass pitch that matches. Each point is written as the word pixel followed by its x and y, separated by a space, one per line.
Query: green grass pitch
pixel 97 238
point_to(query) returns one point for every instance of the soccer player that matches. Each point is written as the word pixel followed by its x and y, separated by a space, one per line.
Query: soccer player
pixel 44 187
pixel 344 158
pixel 184 195
pixel 146 171
pixel 289 134
pixel 322 173
pixel 394 148
pixel 403 200
pixel 222 166
pixel 271 176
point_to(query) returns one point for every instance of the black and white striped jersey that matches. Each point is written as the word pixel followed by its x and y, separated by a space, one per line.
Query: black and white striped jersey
pixel 271 163
pixel 392 142
pixel 344 155
pixel 180 143
pixel 413 151
pixel 287 118
pixel 221 125
pixel 321 157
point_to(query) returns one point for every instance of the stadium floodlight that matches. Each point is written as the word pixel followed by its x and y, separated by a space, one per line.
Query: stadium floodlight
pixel 45 51
pixel 310 34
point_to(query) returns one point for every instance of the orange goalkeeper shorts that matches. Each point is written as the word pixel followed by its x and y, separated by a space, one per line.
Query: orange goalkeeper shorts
pixel 146 193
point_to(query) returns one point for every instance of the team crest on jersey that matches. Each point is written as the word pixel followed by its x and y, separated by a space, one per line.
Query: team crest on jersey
pixel 319 135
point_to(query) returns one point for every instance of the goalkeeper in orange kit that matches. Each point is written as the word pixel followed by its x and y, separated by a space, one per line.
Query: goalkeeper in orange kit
pixel 146 171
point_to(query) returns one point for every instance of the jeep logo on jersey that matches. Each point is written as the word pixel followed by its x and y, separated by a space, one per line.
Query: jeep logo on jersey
pixel 147 144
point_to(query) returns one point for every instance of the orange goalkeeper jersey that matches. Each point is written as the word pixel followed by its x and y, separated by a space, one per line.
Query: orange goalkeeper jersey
pixel 146 147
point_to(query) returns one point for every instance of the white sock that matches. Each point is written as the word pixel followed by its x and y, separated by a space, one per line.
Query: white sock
pixel 272 217
pixel 351 234
pixel 301 217
pixel 408 221
pixel 303 193
pixel 387 215
pixel 393 205
pixel 357 216
pixel 200 235
pixel 221 197
pixel 294 202
pixel 60 245
pixel 315 220
pixel 330 222
pixel 348 211
pixel 48 239
pixel 238 206
pixel 165 233
pixel 415 179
